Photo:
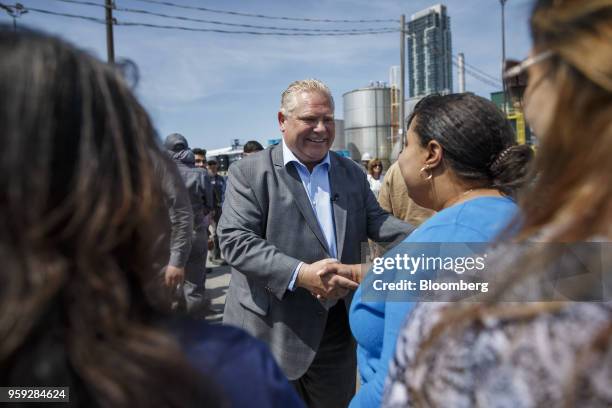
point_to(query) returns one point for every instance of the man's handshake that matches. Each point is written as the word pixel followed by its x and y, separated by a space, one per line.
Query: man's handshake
pixel 328 278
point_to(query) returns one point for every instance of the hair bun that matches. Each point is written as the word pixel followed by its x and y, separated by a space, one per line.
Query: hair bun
pixel 510 168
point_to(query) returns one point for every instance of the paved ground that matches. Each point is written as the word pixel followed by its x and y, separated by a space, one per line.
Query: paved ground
pixel 216 288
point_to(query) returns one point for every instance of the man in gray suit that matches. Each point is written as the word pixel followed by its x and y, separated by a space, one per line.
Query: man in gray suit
pixel 289 213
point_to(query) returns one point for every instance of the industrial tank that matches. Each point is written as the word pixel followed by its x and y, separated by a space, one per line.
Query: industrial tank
pixel 339 141
pixel 368 121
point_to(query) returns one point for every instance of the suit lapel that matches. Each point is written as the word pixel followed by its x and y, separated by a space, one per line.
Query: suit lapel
pixel 290 177
pixel 339 201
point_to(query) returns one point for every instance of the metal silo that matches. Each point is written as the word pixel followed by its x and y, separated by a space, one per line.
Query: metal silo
pixel 339 141
pixel 368 122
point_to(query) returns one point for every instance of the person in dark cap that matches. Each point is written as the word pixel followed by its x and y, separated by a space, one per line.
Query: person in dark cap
pixel 199 188
pixel 217 182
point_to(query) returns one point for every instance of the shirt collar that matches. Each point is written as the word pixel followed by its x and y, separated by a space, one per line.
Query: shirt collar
pixel 289 157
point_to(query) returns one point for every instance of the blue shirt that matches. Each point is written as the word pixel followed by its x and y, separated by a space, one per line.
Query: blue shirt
pixel 375 325
pixel 316 185
pixel 239 364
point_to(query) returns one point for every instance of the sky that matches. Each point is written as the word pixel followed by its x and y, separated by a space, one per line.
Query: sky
pixel 214 87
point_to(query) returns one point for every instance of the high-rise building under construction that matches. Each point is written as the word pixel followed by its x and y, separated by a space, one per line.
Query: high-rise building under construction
pixel 430 63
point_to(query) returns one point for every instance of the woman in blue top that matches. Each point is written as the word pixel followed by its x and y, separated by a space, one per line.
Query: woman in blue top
pixel 460 159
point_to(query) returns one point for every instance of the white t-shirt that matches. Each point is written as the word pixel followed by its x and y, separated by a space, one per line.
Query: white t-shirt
pixel 375 184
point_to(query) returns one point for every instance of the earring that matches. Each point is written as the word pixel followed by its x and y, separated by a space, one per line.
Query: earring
pixel 425 168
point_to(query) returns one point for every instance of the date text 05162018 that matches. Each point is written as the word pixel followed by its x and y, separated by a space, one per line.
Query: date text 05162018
pixel 34 394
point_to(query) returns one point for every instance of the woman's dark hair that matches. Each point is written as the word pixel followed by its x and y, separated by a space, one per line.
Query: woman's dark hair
pixel 80 212
pixel 252 146
pixel 478 142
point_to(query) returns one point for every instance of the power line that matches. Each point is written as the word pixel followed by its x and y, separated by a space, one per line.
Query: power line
pixel 236 13
pixel 482 77
pixel 15 12
pixel 479 77
pixel 209 30
pixel 483 80
pixel 78 16
pixel 482 72
pixel 478 74
pixel 470 69
pixel 222 23
pixel 478 70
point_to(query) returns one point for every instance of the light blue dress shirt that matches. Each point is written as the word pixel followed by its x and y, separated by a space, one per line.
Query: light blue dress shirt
pixel 317 188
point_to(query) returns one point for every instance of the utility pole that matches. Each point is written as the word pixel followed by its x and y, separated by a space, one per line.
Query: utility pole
pixel 503 29
pixel 402 124
pixel 15 11
pixel 110 43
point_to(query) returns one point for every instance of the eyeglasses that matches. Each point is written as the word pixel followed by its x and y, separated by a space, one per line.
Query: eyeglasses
pixel 377 165
pixel 516 76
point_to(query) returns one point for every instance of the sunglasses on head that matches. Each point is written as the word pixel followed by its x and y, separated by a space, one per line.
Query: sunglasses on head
pixel 516 75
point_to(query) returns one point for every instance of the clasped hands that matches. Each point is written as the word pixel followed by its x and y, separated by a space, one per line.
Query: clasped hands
pixel 328 278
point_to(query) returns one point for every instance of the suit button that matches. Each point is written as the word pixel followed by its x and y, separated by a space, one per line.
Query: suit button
pixel 320 313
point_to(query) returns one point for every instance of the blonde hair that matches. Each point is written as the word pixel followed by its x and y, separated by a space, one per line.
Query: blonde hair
pixel 571 171
pixel 289 96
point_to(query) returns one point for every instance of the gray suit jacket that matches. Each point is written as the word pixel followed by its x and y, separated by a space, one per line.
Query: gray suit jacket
pixel 268 227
